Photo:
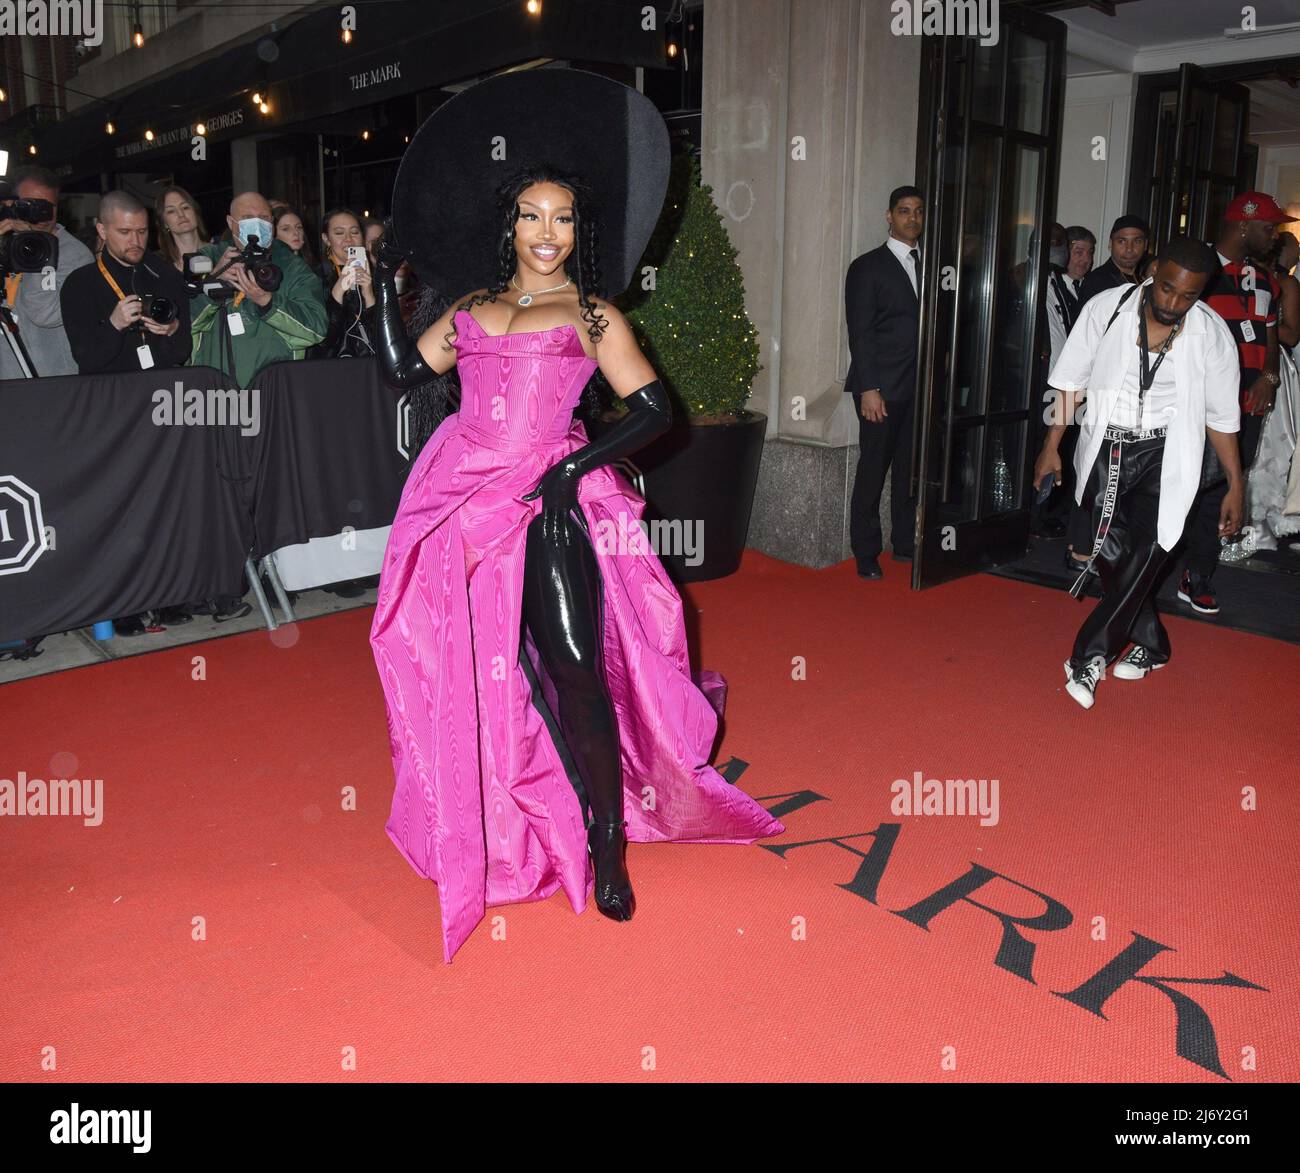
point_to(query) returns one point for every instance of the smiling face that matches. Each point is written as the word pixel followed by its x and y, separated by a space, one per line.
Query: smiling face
pixel 289 229
pixel 1080 259
pixel 341 233
pixel 178 213
pixel 544 233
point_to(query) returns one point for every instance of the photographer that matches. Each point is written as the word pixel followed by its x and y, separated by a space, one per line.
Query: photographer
pixel 129 311
pixel 32 298
pixel 247 325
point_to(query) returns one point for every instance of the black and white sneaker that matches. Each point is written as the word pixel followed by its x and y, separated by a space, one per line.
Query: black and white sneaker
pixel 1081 683
pixel 1137 663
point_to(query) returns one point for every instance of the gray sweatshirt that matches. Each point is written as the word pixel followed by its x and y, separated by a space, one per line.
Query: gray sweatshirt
pixel 40 320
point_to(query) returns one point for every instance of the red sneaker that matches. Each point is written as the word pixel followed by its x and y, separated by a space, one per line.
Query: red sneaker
pixel 1195 592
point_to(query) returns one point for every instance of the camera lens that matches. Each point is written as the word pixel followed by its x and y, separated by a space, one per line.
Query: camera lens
pixel 162 310
pixel 268 277
pixel 27 252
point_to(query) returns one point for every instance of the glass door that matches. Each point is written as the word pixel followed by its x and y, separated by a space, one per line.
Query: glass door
pixel 992 118
pixel 1206 141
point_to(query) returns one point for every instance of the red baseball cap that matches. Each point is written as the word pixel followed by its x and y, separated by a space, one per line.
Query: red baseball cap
pixel 1255 205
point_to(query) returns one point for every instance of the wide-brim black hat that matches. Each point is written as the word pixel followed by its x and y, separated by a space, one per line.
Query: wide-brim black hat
pixel 605 133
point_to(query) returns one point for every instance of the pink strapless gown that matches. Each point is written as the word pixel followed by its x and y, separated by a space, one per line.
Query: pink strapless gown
pixel 483 806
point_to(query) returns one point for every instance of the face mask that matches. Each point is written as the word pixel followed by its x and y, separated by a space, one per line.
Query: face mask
pixel 1059 255
pixel 261 229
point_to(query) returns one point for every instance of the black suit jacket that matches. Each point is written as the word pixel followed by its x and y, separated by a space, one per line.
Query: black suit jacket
pixel 1104 276
pixel 883 317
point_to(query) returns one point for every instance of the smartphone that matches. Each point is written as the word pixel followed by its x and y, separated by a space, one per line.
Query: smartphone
pixel 1045 487
pixel 357 257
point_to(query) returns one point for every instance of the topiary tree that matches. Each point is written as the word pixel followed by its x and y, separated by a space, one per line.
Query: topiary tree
pixel 692 324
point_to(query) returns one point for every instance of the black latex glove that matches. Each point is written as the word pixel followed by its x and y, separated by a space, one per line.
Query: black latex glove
pixel 390 255
pixel 649 415
pixel 400 359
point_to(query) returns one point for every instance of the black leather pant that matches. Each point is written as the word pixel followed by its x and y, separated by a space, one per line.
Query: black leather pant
pixel 563 608
pixel 1130 559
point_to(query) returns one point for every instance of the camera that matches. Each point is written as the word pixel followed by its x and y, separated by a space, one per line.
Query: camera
pixel 201 274
pixel 254 258
pixel 161 309
pixel 28 211
pixel 26 252
pixel 198 277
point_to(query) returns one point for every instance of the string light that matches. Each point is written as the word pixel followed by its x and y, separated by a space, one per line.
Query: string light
pixel 715 352
pixel 534 7
pixel 148 136
pixel 200 128
pixel 109 128
pixel 264 107
pixel 32 149
pixel 257 97
pixel 347 36
pixel 365 136
pixel 4 96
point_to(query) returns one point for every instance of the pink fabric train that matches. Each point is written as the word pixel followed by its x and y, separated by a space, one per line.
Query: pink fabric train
pixel 483 806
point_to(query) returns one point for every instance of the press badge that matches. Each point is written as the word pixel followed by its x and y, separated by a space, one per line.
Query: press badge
pixel 1248 331
pixel 145 355
pixel 235 321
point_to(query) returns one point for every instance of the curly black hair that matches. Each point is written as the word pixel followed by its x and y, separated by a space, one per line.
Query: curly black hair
pixel 432 401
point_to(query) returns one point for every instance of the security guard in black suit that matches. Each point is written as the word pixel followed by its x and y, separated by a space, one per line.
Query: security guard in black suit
pixel 882 304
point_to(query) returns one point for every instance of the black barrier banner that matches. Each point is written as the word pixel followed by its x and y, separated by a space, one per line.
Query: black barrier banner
pixel 118 494
pixel 332 452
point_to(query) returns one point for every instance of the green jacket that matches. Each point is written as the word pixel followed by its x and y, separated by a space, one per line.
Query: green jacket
pixel 292 321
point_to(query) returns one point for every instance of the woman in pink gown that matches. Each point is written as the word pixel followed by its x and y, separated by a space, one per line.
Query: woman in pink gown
pixel 530 645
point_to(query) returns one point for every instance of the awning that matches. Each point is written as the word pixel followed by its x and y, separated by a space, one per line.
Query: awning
pixel 400 48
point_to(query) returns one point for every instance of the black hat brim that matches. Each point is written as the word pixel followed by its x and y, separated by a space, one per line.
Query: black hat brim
pixel 607 134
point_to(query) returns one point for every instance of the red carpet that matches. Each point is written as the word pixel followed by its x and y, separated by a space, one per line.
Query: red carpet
pixel 223 800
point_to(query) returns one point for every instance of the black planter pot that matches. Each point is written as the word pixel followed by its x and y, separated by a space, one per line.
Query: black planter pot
pixel 698 481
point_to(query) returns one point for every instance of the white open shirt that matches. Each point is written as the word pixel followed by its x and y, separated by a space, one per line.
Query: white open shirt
pixel 1207 373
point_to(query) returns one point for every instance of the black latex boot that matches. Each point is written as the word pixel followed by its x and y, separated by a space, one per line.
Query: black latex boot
pixel 607 846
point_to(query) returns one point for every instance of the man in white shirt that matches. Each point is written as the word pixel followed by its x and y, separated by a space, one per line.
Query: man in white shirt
pixel 1160 373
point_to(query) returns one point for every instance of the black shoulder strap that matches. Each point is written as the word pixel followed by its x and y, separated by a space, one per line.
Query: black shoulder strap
pixel 1119 305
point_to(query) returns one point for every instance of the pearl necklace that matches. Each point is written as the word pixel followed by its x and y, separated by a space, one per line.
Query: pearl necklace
pixel 527 298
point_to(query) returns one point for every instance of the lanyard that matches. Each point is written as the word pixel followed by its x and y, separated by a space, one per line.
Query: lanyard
pixel 99 260
pixel 1148 376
